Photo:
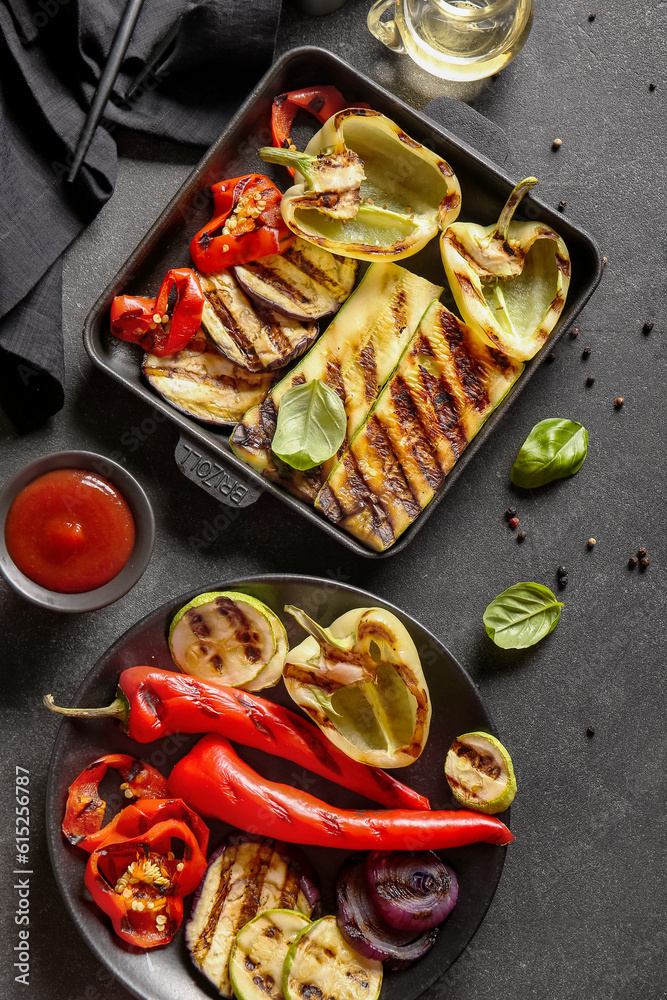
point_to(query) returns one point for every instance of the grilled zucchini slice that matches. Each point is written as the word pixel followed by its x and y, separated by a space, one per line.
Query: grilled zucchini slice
pixel 322 964
pixel 249 334
pixel 354 357
pixel 445 387
pixel 244 878
pixel 203 384
pixel 306 282
pixel 259 952
pixel 229 638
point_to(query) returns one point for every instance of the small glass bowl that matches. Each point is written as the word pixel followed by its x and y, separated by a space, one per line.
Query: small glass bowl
pixel 144 525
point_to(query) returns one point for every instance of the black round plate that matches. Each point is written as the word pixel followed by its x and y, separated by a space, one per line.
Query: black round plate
pixel 167 973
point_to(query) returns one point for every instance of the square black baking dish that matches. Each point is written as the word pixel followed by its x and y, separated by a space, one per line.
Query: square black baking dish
pixel 203 454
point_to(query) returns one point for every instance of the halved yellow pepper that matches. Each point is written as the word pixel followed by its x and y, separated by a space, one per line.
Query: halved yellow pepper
pixel 389 194
pixel 509 279
pixel 362 682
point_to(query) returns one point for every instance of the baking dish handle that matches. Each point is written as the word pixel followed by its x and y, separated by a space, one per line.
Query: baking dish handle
pixel 209 472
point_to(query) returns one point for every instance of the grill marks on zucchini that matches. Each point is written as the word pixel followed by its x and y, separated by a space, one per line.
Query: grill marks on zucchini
pixel 245 879
pixel 251 334
pixel 445 386
pixel 354 357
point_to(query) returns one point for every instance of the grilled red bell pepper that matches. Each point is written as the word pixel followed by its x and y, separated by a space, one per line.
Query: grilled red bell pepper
pixel 140 882
pixel 153 703
pixel 148 322
pixel 323 102
pixel 247 224
pixel 215 782
pixel 84 812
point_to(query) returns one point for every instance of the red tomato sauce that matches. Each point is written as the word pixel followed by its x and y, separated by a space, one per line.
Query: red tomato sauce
pixel 70 531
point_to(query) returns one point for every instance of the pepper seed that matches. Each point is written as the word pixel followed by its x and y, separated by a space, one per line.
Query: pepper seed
pixel 643 551
pixel 128 793
pixel 586 353
pixel 514 523
pixel 592 542
pixel 618 402
pixel 590 731
pixel 590 380
pixel 561 205
pixel 632 562
pixel 648 326
pixel 557 143
pixel 521 536
pixel 645 562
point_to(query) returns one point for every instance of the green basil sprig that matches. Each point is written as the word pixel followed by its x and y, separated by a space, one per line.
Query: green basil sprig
pixel 311 425
pixel 554 449
pixel 522 615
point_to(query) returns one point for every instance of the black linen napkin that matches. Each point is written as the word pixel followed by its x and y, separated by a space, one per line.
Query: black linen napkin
pixel 52 53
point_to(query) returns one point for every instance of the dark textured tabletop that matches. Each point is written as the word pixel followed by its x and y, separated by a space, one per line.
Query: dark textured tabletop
pixel 581 909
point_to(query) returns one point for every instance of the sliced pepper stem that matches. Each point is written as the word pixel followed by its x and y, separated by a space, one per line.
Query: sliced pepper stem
pixel 288 158
pixel 321 634
pixel 118 709
pixel 522 188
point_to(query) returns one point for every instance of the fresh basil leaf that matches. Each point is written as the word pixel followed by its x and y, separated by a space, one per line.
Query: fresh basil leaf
pixel 522 615
pixel 554 449
pixel 311 425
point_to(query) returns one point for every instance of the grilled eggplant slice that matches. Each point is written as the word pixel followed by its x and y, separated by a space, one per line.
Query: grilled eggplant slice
pixel 250 334
pixel 446 385
pixel 306 282
pixel 354 357
pixel 245 877
pixel 205 385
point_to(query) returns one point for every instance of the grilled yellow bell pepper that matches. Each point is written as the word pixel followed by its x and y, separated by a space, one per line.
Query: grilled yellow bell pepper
pixel 362 682
pixel 510 279
pixel 366 190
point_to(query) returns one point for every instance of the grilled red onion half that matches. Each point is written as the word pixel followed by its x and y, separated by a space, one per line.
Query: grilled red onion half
pixel 412 891
pixel 364 927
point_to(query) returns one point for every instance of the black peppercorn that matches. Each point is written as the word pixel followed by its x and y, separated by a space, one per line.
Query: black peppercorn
pixel 590 380
pixel 591 16
pixel 643 551
pixel 632 562
pixel 586 353
pixel 520 537
pixel 561 205
pixel 645 562
pixel 510 512
pixel 648 326
pixel 561 571
pixel 551 357
pixel 590 731
pixel 618 402
pixel 652 85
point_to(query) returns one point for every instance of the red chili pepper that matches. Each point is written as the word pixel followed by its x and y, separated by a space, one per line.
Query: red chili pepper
pixel 84 812
pixel 133 317
pixel 146 912
pixel 215 782
pixel 323 102
pixel 153 703
pixel 247 224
